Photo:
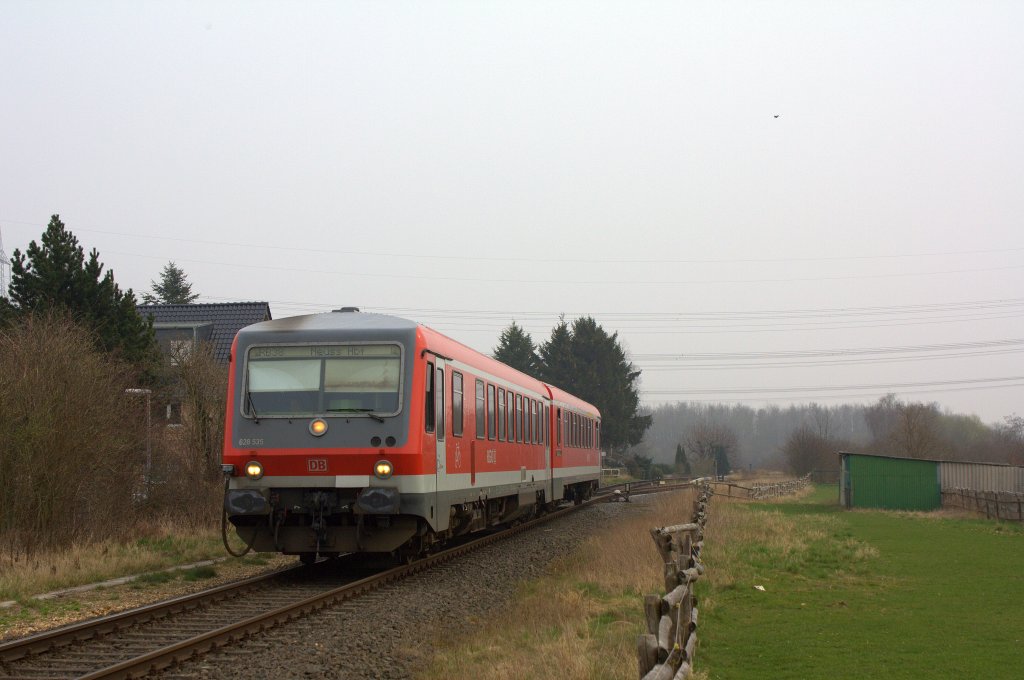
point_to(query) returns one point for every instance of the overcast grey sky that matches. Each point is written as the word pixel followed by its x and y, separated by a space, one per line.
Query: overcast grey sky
pixel 719 182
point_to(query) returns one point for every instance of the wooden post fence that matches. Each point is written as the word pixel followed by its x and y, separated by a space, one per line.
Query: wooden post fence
pixel 666 651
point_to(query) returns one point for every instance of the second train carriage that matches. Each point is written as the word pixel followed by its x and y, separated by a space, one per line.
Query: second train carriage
pixel 355 432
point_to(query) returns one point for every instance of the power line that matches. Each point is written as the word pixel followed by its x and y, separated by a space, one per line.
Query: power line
pixel 647 368
pixel 889 387
pixel 599 282
pixel 503 316
pixel 867 395
pixel 789 354
pixel 560 260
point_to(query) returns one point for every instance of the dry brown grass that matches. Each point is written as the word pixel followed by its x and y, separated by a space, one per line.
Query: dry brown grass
pixel 583 620
pixel 156 547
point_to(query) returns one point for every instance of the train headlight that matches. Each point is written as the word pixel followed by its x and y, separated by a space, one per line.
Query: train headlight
pixel 254 469
pixel 318 427
pixel 383 469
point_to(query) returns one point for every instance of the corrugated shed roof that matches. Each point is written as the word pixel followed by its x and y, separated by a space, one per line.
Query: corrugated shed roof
pixel 930 460
pixel 227 318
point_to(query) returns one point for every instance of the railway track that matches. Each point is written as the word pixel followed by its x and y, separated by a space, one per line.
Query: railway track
pixel 140 641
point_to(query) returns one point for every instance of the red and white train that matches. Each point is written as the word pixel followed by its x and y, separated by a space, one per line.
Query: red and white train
pixel 355 432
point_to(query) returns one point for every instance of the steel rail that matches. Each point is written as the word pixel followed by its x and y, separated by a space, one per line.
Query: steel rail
pixel 13 650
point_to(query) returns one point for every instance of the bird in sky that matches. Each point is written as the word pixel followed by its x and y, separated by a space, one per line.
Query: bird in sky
pixel 777 115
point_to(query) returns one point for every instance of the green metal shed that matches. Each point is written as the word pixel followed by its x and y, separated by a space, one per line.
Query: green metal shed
pixel 869 481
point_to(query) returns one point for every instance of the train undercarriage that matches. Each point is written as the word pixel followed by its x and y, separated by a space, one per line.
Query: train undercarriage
pixel 331 522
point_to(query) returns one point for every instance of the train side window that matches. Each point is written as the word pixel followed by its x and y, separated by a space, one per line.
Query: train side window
pixel 590 433
pixel 547 423
pixel 491 429
pixel 481 430
pixel 526 420
pixel 519 417
pixel 534 436
pixel 501 414
pixel 558 427
pixel 511 407
pixel 428 400
pixel 540 422
pixel 535 409
pixel 439 402
pixel 456 404
pixel 597 435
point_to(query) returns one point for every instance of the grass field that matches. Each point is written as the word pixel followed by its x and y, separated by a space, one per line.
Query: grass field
pixel 859 594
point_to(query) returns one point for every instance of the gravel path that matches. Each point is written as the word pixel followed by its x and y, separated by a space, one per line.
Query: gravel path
pixel 390 633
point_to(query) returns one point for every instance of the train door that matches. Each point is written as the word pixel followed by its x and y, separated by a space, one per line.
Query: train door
pixel 441 451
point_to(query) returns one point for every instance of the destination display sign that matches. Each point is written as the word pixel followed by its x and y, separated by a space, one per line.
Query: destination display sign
pixel 324 351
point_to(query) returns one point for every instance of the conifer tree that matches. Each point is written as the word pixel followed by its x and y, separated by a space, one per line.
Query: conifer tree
pixel 556 363
pixel 516 349
pixel 55 275
pixel 585 360
pixel 173 288
pixel 607 379
pixel 682 462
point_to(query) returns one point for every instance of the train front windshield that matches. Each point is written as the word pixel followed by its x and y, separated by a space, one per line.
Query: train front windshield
pixel 305 380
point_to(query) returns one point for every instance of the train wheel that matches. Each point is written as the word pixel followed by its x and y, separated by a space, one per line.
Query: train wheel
pixel 307 558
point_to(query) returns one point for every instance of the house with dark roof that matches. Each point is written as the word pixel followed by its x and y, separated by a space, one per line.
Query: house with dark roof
pixel 179 328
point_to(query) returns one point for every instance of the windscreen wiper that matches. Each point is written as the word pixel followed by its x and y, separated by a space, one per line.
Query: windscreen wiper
pixel 367 411
pixel 252 407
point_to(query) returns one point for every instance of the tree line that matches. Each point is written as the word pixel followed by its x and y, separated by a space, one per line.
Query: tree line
pixel 805 438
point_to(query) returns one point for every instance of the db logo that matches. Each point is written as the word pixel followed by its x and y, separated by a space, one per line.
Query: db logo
pixel 317 464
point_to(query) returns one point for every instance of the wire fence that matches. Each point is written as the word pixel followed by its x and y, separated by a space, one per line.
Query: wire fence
pixel 999 505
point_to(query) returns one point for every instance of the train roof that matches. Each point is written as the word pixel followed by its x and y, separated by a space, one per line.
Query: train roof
pixel 354 320
pixel 335 320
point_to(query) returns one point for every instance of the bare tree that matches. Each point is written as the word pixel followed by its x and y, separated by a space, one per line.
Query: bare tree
pixel 189 457
pixel 881 419
pixel 916 431
pixel 706 437
pixel 72 442
pixel 823 419
pixel 807 450
pixel 1010 439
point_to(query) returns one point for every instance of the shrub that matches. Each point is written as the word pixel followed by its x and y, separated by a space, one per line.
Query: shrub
pixel 188 483
pixel 72 442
